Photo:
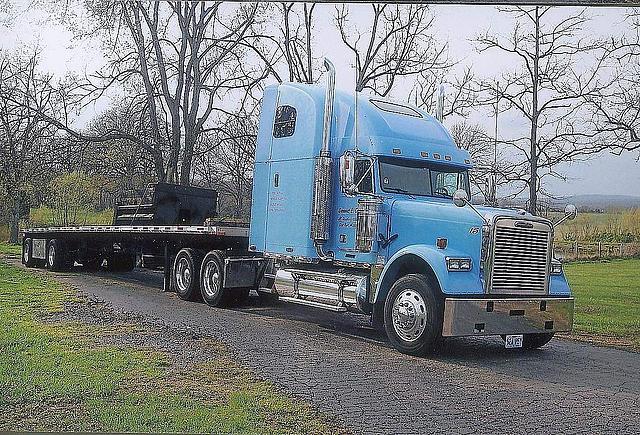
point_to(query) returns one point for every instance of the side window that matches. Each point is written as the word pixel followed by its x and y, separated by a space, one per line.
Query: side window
pixel 446 183
pixel 363 176
pixel 284 124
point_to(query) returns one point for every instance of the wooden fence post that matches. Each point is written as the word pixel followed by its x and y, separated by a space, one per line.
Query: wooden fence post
pixel 599 249
pixel 575 249
pixel 621 249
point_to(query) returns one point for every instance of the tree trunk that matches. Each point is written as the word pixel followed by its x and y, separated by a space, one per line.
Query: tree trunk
pixel 14 220
pixel 533 158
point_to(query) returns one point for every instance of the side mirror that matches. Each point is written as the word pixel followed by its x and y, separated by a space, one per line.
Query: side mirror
pixel 347 170
pixel 460 198
pixel 571 211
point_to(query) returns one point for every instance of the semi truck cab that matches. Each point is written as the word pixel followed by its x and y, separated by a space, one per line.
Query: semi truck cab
pixel 363 204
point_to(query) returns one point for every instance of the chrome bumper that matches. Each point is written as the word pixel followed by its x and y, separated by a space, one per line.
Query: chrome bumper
pixel 506 316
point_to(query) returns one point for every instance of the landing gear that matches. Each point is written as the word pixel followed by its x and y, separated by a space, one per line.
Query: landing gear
pixel 413 315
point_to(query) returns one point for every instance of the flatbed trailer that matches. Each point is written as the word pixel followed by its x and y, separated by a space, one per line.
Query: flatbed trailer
pixel 118 248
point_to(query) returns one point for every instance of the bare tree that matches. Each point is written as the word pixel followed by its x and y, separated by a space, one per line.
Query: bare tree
pixel 398 42
pixel 27 145
pixel 616 111
pixel 460 98
pixel 546 90
pixel 177 60
pixel 225 161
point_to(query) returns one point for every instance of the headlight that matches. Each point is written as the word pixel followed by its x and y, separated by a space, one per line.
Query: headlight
pixel 556 267
pixel 458 264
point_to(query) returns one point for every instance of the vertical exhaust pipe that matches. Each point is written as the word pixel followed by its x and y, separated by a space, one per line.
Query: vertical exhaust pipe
pixel 440 104
pixel 321 213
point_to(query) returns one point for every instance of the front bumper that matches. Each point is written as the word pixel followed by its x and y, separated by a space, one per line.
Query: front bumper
pixel 463 317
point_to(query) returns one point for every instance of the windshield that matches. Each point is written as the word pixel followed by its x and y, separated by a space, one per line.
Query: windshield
pixel 414 177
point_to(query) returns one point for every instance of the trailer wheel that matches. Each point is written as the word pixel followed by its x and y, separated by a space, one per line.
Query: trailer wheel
pixel 27 253
pixel 413 315
pixel 212 279
pixel 56 258
pixel 184 274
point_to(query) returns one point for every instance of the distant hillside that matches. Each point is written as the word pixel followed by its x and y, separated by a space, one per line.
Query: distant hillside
pixel 603 202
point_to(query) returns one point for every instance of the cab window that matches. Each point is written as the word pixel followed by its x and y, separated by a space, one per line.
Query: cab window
pixel 363 175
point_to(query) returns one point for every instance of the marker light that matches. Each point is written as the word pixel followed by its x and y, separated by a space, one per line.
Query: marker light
pixel 441 242
pixel 556 267
pixel 458 264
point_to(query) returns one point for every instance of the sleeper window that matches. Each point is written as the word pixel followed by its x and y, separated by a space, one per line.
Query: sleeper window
pixel 284 124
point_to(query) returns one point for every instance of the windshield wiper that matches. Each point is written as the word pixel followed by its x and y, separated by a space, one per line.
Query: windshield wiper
pixel 400 190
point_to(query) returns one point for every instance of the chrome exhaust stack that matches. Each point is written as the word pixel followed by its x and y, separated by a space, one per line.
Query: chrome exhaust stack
pixel 321 213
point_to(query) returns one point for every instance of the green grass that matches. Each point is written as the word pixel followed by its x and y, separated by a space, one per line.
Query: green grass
pixel 607 298
pixel 56 376
pixel 8 248
pixel 44 216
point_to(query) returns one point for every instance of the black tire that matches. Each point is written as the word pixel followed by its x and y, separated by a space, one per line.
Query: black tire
pixel 185 274
pixel 56 260
pixel 534 341
pixel 414 327
pixel 27 253
pixel 212 279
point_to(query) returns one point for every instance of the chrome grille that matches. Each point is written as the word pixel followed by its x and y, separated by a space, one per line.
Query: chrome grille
pixel 521 256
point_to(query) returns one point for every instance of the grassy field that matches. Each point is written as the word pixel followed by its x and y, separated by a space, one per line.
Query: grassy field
pixel 607 299
pixel 56 375
pixel 612 226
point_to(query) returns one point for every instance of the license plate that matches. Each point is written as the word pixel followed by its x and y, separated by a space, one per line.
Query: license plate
pixel 513 341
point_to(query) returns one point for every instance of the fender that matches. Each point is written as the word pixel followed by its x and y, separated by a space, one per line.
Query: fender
pixel 431 261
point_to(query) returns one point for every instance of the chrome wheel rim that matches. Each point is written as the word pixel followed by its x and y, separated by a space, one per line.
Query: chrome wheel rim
pixel 409 315
pixel 27 253
pixel 183 275
pixel 211 281
pixel 52 255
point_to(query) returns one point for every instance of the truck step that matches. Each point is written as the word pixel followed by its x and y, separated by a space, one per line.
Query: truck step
pixel 336 308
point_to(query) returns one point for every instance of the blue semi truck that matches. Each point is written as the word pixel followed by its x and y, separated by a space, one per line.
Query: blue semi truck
pixel 359 204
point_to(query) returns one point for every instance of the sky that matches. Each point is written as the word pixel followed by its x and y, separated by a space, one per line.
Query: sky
pixel 456 25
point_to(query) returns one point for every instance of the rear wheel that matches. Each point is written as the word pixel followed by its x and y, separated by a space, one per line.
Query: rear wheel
pixel 184 276
pixel 212 279
pixel 27 253
pixel 413 315
pixel 56 257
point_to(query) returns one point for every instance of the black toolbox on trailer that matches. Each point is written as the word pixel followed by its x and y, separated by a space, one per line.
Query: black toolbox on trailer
pixel 169 204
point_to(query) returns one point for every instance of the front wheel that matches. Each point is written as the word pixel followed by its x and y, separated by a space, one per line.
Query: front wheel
pixel 413 315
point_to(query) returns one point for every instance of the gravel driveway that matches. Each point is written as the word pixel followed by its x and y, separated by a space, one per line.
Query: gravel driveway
pixel 339 364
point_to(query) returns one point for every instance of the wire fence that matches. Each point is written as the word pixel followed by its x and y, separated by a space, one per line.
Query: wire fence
pixel 576 250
